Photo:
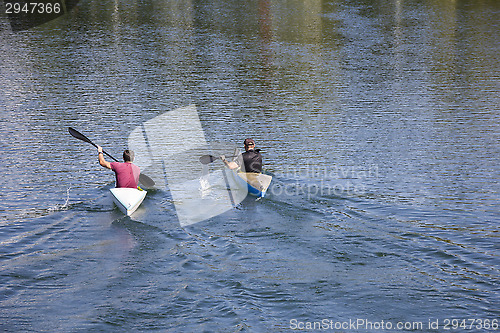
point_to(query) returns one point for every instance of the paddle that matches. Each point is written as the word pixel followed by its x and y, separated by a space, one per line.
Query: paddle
pixel 145 180
pixel 207 159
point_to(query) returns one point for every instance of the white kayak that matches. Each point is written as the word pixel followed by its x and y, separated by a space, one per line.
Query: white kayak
pixel 128 199
pixel 256 183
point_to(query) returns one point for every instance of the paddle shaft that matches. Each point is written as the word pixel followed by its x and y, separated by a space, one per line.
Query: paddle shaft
pixel 114 159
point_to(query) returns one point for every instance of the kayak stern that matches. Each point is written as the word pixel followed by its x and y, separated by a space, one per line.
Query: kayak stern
pixel 128 199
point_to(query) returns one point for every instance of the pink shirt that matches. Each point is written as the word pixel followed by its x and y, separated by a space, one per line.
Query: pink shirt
pixel 127 174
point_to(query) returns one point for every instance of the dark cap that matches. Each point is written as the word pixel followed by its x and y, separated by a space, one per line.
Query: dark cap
pixel 249 142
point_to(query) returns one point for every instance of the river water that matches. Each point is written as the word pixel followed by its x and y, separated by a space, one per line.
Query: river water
pixel 378 121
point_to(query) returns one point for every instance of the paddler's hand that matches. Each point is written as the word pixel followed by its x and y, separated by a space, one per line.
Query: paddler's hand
pixel 99 149
pixel 223 158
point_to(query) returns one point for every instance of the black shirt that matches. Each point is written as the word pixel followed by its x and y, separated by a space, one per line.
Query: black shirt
pixel 252 160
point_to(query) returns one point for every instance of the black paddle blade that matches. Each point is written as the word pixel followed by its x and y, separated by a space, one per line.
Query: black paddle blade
pixel 146 181
pixel 206 159
pixel 79 135
pixel 82 137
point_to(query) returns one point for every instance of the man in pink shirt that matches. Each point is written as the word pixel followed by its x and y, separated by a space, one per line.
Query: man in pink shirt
pixel 127 173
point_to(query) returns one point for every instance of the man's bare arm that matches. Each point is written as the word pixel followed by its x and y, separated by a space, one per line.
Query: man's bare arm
pixel 102 161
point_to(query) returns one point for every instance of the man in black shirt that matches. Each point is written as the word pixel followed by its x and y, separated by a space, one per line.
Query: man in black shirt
pixel 249 161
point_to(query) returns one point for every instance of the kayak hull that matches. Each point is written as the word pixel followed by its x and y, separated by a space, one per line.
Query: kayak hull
pixel 127 199
pixel 256 183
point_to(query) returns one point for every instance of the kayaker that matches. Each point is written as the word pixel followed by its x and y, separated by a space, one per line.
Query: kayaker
pixel 251 159
pixel 127 173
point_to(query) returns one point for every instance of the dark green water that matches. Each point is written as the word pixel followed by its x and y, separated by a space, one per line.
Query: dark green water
pixel 379 121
